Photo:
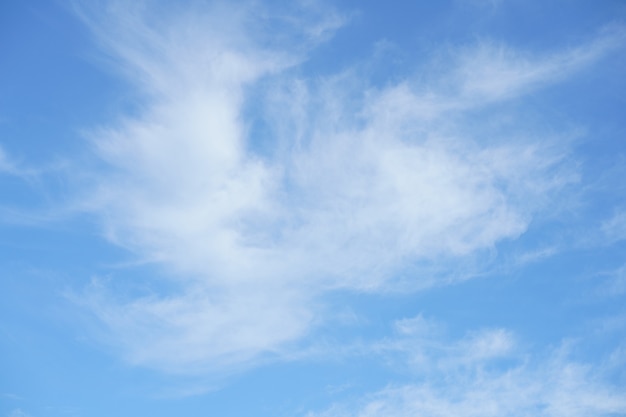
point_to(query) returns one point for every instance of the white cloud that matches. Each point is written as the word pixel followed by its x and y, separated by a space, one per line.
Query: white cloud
pixel 5 165
pixel 423 345
pixel 494 72
pixel 563 390
pixel 202 330
pixel 10 395
pixel 356 186
pixel 18 413
pixel 30 180
pixel 417 326
pixel 613 282
pixel 464 378
pixel 614 229
pixel 13 166
pixel 9 166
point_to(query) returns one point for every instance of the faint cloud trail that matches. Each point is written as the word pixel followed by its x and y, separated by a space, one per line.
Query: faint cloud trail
pixel 484 373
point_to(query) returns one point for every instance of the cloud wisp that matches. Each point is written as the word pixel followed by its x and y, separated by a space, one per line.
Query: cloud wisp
pixel 360 182
pixel 9 166
pixel 558 390
pixel 484 373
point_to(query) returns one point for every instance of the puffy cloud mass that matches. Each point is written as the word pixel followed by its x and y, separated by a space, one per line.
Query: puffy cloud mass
pixel 345 183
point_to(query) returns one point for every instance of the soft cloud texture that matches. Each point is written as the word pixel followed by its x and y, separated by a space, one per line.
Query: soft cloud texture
pixel 18 413
pixel 359 181
pixel 561 390
pixel 493 72
pixel 9 166
pixel 614 229
pixel 5 165
pixel 485 373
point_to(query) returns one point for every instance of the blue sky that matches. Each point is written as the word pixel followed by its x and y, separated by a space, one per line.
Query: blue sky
pixel 313 209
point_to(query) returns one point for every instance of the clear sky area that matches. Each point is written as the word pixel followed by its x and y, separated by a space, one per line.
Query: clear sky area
pixel 313 208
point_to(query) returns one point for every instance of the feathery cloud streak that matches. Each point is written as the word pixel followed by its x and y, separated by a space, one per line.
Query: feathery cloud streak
pixel 558 389
pixel 361 181
pixel 484 373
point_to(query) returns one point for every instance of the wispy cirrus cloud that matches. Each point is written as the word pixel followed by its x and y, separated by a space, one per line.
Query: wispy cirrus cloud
pixel 5 164
pixel 614 228
pixel 563 389
pixel 484 373
pixel 11 166
pixel 494 72
pixel 360 181
pixel 18 413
